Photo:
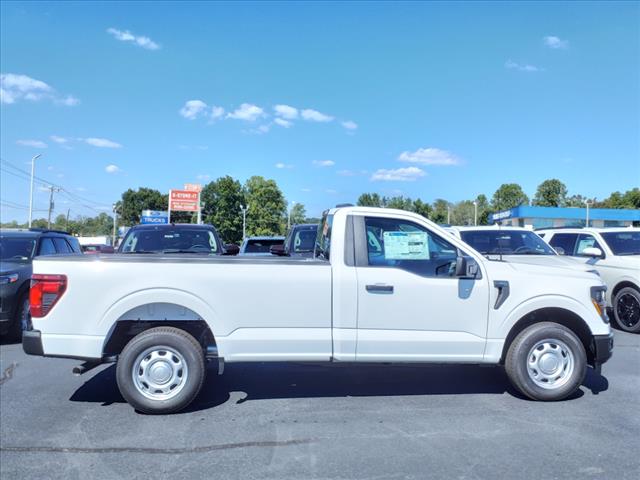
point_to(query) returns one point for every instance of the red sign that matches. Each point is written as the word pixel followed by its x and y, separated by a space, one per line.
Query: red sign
pixel 183 201
pixel 193 187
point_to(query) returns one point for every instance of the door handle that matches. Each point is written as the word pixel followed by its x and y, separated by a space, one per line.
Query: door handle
pixel 384 289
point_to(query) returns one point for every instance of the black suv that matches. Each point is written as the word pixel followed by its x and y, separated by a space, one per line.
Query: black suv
pixel 175 238
pixel 17 249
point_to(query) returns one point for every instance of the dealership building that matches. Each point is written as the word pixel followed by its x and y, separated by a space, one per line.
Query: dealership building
pixel 550 217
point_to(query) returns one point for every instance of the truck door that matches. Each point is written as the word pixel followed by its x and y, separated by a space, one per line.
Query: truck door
pixel 411 307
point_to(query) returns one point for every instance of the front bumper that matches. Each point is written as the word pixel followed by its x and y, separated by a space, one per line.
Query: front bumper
pixel 32 342
pixel 602 348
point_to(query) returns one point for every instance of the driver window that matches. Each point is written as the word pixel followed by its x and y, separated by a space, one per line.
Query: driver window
pixel 586 241
pixel 406 245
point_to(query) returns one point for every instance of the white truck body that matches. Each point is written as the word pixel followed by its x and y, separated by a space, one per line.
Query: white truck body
pixel 277 309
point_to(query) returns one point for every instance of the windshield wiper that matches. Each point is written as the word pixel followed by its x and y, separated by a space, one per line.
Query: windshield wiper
pixel 181 250
pixel 141 252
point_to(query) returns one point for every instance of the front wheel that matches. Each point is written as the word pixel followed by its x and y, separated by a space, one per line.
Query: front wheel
pixel 161 370
pixel 546 361
pixel 626 309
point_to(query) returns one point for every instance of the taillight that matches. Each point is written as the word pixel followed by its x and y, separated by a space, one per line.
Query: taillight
pixel 45 291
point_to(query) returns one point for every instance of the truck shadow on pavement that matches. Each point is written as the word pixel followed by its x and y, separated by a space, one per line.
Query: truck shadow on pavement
pixel 259 381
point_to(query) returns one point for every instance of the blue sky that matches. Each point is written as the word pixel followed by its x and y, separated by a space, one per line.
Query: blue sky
pixel 331 100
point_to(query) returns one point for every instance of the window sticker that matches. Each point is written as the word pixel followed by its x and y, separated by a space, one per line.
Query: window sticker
pixel 406 246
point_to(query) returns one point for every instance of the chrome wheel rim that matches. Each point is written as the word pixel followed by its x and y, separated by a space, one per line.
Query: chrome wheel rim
pixel 160 372
pixel 550 364
pixel 628 310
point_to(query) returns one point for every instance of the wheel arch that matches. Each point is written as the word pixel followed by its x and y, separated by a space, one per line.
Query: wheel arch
pixel 561 316
pixel 623 284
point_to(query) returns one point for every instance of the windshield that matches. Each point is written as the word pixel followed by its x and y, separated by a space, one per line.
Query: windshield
pixel 623 243
pixel 171 240
pixel 304 239
pixel 261 245
pixel 16 249
pixel 506 242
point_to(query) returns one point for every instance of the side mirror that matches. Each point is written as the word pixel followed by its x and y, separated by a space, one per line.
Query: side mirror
pixel 231 249
pixel 278 250
pixel 559 250
pixel 466 267
pixel 592 252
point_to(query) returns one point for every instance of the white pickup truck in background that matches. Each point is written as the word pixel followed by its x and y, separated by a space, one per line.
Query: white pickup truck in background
pixel 384 286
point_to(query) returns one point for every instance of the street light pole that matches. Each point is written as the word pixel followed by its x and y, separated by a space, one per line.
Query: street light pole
pixel 587 204
pixel 244 220
pixel 33 164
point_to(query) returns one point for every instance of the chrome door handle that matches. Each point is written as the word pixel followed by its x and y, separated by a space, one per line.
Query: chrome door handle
pixel 384 289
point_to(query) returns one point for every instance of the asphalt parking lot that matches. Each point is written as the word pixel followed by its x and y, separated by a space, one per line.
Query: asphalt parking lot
pixel 298 421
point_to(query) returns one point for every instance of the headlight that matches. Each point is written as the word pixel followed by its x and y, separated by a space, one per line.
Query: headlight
pixel 11 278
pixel 598 299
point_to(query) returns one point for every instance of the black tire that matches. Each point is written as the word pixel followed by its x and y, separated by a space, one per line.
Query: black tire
pixel 187 351
pixel 626 309
pixel 21 315
pixel 568 348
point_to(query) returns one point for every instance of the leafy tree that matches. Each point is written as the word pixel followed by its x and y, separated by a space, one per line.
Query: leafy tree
pixel 629 199
pixel 484 209
pixel 551 193
pixel 579 201
pixel 267 207
pixel 422 208
pixel 509 195
pixel 133 202
pixel 440 211
pixel 462 213
pixel 298 214
pixel 222 201
pixel 370 200
pixel 400 203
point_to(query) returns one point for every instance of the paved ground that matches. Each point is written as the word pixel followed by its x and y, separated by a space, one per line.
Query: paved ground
pixel 296 421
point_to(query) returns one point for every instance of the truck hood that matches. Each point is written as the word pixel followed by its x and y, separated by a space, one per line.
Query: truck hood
pixel 548 261
pixel 544 269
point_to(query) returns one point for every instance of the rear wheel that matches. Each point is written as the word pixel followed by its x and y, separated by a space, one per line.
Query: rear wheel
pixel 626 309
pixel 546 361
pixel 161 370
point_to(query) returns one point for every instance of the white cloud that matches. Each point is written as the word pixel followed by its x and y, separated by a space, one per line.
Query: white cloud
pixel 324 163
pixel 111 168
pixel 408 174
pixel 429 156
pixel 216 112
pixel 285 111
pixel 14 87
pixel 263 128
pixel 555 42
pixel 522 67
pixel 192 109
pixel 346 173
pixel 283 123
pixel 32 143
pixel 57 139
pixel 139 40
pixel 203 176
pixel 102 142
pixel 315 116
pixel 349 125
pixel 247 112
pixel 283 165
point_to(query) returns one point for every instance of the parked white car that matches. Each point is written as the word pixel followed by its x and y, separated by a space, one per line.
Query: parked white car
pixel 615 253
pixel 514 244
pixel 384 286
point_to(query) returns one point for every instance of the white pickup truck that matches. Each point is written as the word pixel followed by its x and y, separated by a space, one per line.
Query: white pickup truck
pixel 384 286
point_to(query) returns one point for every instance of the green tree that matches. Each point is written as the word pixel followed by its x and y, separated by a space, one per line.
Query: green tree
pixel 222 201
pixel 298 214
pixel 370 200
pixel 422 208
pixel 509 195
pixel 267 207
pixel 462 213
pixel 484 209
pixel 629 199
pixel 134 201
pixel 400 203
pixel 440 210
pixel 579 201
pixel 551 193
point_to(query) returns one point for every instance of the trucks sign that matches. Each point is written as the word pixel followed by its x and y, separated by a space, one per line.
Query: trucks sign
pixel 183 200
pixel 154 216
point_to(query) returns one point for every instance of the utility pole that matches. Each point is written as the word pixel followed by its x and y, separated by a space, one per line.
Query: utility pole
pixel 475 213
pixel 448 214
pixel 51 190
pixel 244 220
pixel 66 225
pixel 33 166
pixel 115 223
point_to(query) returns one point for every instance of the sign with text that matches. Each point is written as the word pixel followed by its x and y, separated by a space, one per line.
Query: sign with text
pixel 154 216
pixel 193 187
pixel 183 200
